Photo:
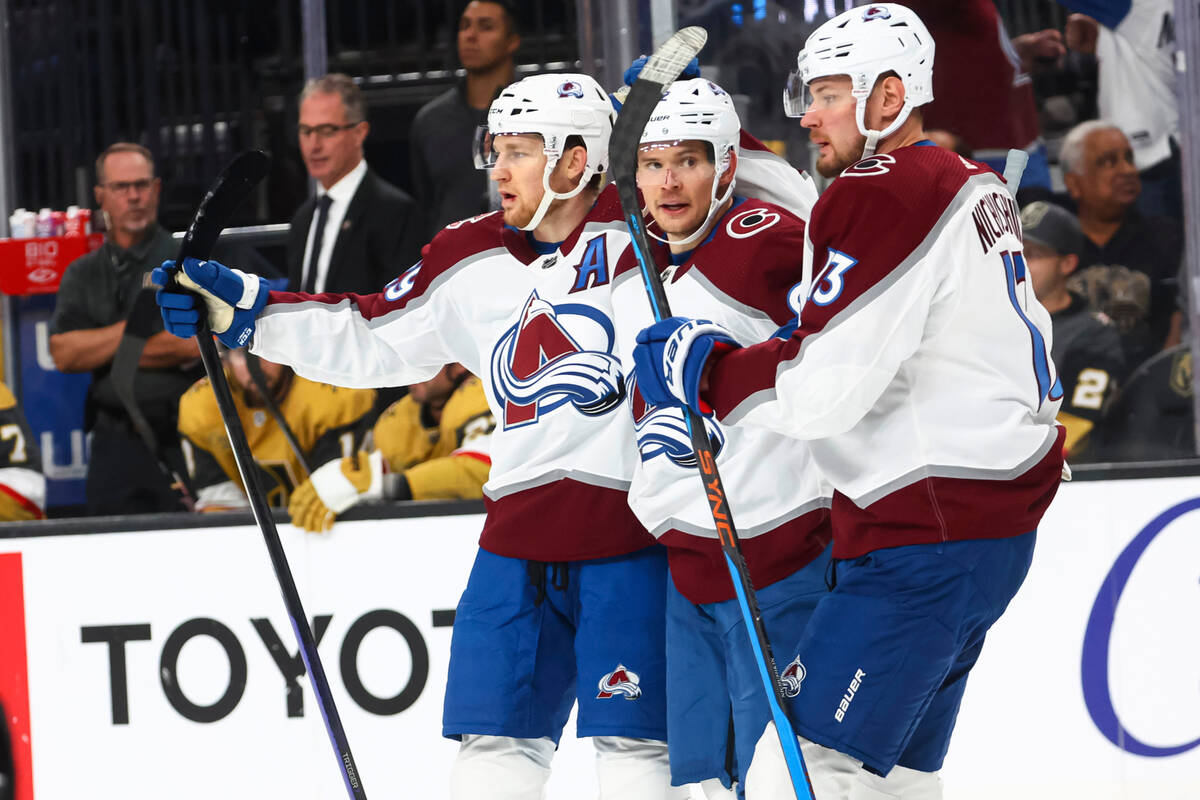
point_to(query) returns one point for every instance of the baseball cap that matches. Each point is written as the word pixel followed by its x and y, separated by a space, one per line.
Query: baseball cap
pixel 1052 226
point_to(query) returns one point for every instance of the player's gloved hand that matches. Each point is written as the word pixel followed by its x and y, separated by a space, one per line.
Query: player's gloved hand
pixel 670 359
pixel 692 70
pixel 233 300
pixel 617 98
pixel 335 486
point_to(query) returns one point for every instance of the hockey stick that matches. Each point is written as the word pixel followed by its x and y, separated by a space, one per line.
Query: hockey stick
pixel 1014 168
pixel 661 70
pixel 232 187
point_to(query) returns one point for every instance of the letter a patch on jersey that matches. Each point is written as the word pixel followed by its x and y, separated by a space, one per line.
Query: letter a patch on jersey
pixel 556 355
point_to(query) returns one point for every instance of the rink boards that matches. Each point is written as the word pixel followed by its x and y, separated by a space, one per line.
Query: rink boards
pixel 152 663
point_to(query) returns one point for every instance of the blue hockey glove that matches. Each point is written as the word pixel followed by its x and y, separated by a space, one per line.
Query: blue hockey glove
pixel 692 70
pixel 617 98
pixel 232 298
pixel 670 357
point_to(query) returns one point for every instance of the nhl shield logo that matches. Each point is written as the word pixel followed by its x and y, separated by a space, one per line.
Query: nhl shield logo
pixel 792 677
pixel 620 681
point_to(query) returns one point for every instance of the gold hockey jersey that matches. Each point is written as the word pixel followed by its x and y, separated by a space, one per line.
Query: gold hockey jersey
pixel 22 485
pixel 445 460
pixel 328 421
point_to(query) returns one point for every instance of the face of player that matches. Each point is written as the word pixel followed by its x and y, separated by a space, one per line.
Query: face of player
pixel 676 179
pixel 437 389
pixel 520 163
pixel 128 196
pixel 1108 182
pixel 275 375
pixel 484 39
pixel 831 125
pixel 329 149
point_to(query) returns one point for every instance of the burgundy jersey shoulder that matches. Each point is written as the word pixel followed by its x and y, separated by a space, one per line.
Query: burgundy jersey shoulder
pixel 463 239
pixel 891 200
pixel 755 256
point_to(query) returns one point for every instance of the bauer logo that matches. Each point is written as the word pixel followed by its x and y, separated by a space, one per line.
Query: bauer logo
pixel 621 681
pixel 792 677
pixel 1154 577
pixel 849 695
pixel 556 356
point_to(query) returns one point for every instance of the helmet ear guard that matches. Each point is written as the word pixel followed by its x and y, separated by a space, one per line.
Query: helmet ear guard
pixel 554 107
pixel 864 43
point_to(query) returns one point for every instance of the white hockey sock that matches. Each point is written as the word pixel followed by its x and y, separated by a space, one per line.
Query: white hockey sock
pixel 501 768
pixel 834 775
pixel 711 789
pixel 634 769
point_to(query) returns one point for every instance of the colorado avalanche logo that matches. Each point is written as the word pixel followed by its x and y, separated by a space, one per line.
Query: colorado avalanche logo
pixel 556 355
pixel 791 678
pixel 876 12
pixel 662 431
pixel 570 89
pixel 620 681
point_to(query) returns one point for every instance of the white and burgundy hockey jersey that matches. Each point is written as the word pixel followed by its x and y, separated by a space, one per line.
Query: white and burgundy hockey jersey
pixel 740 277
pixel 920 370
pixel 538 331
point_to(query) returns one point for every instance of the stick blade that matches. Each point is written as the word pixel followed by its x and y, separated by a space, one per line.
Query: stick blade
pixel 661 70
pixel 228 191
pixel 669 60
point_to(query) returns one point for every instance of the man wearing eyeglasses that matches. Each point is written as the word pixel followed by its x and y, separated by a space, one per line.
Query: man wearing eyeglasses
pixel 99 303
pixel 359 231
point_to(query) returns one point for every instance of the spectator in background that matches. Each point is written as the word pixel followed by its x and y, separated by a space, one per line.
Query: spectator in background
pixel 1134 44
pixel 432 445
pixel 1087 346
pixel 445 179
pixel 359 231
pixel 980 90
pixel 100 300
pixel 22 484
pixel 1129 265
pixel 326 422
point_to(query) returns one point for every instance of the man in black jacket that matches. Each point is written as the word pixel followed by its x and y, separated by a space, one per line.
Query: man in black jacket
pixel 359 231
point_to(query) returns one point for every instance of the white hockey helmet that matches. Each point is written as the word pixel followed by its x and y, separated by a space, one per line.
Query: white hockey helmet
pixel 555 107
pixel 697 110
pixel 864 43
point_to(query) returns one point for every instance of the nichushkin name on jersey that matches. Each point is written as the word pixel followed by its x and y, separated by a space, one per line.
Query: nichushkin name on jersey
pixel 995 215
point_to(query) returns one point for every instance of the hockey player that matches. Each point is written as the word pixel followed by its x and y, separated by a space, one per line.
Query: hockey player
pixel 328 422
pixel 433 443
pixel 734 260
pixel 22 484
pixel 566 598
pixel 920 375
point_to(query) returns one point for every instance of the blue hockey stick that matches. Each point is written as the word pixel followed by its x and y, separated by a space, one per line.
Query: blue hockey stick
pixel 660 71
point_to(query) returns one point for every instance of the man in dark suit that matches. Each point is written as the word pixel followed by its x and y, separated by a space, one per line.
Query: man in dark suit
pixel 359 232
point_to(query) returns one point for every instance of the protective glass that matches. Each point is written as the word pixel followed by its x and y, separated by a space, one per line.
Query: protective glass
pixel 485 156
pixel 658 164
pixel 795 95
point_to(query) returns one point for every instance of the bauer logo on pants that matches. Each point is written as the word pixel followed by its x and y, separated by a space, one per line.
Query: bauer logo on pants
pixel 620 681
pixel 792 677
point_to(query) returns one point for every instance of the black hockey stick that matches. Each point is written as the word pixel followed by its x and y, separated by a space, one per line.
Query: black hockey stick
pixel 232 187
pixel 660 71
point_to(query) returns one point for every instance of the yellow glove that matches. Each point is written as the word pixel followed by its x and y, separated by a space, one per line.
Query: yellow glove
pixel 335 486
